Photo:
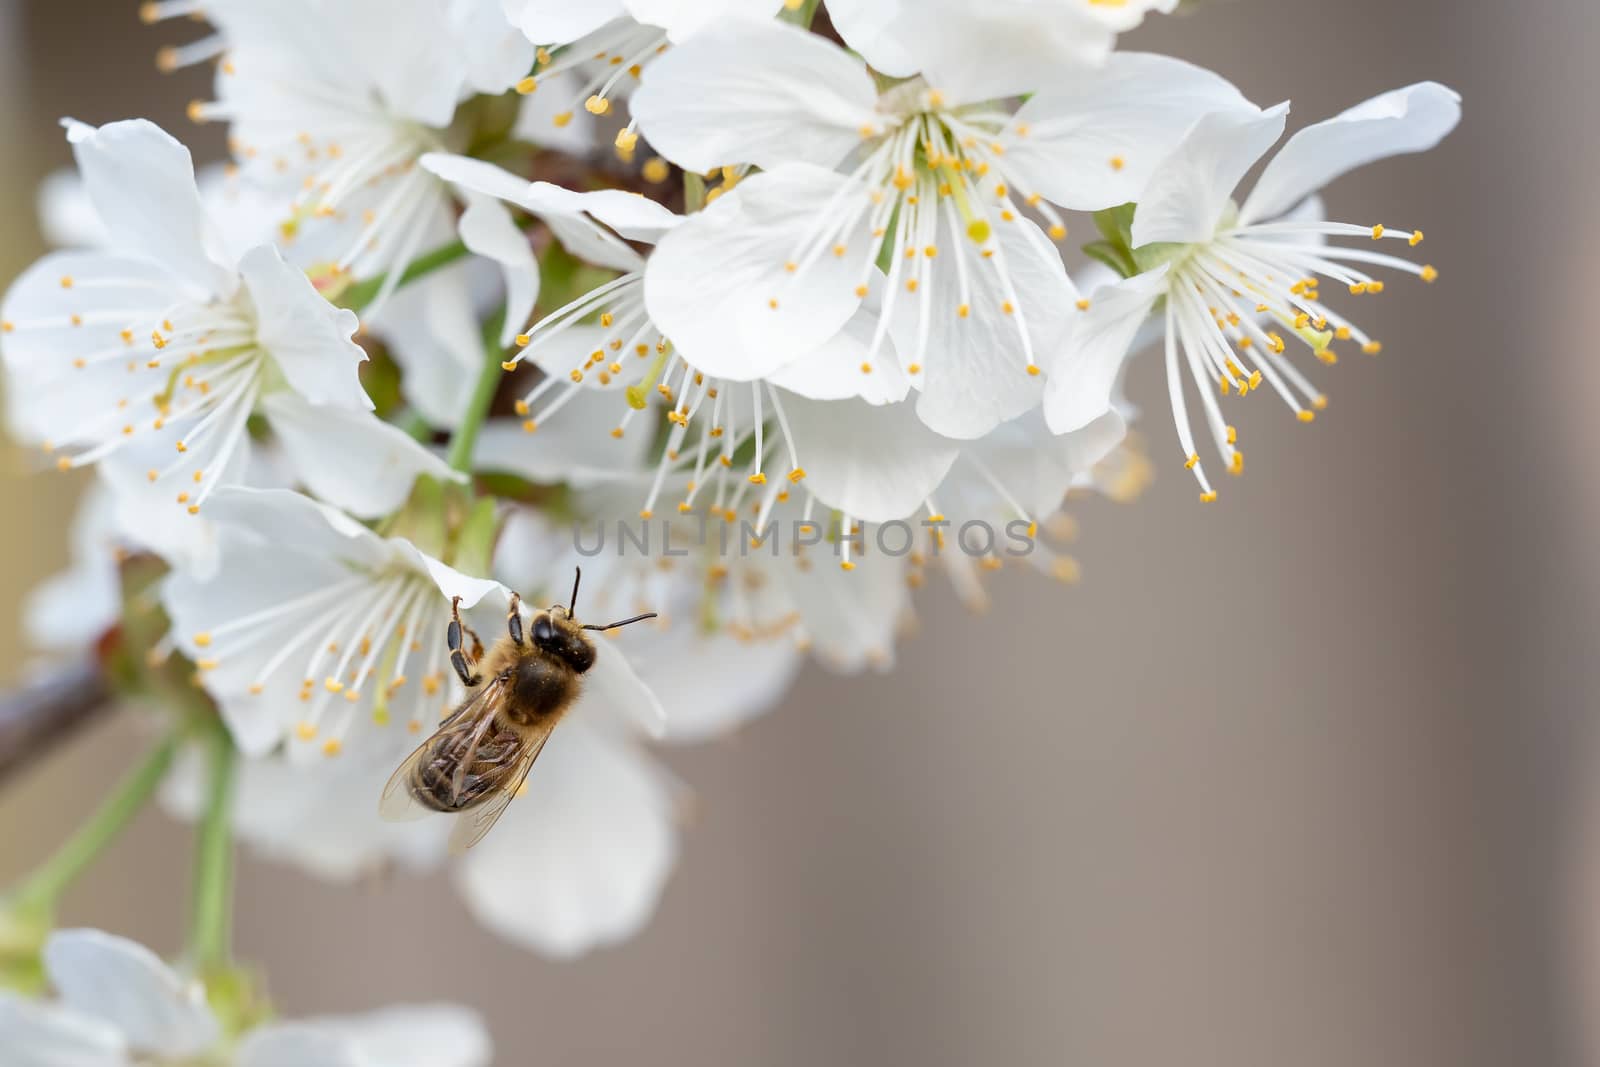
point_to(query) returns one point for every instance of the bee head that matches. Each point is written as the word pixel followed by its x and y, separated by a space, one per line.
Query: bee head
pixel 558 635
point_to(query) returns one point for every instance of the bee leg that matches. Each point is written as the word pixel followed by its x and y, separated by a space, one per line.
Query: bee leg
pixel 458 658
pixel 514 619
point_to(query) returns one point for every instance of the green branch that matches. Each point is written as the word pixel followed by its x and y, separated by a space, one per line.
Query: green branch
pixel 362 293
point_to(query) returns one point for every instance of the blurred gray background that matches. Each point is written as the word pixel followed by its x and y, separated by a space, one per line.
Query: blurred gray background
pixel 1303 778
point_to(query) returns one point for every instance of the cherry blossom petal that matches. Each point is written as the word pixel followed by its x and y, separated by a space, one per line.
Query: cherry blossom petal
pixel 127 985
pixel 719 285
pixel 1401 122
pixel 1190 189
pixel 755 92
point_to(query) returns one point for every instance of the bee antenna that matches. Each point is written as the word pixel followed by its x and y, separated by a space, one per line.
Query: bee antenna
pixel 572 605
pixel 624 622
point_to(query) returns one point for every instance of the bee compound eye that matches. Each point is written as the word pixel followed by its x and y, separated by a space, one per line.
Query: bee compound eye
pixel 544 631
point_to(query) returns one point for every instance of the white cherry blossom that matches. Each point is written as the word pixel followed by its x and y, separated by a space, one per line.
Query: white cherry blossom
pixel 1232 285
pixel 118 1005
pixel 936 186
pixel 153 353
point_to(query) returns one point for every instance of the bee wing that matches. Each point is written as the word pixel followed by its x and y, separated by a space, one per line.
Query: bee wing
pixel 397 804
pixel 472 824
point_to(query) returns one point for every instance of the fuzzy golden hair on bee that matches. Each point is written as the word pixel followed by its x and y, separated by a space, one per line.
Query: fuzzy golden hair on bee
pixel 518 691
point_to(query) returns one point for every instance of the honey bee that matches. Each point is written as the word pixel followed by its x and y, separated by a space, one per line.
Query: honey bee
pixel 474 765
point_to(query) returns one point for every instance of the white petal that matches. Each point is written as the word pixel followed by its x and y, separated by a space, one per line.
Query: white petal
pixel 141 182
pixel 561 21
pixel 71 610
pixel 451 582
pixel 612 692
pixel 710 685
pixel 1079 390
pixel 67 217
pixel 873 463
pixel 851 616
pixel 300 1044
pixel 49 398
pixel 351 459
pixel 293 522
pixel 431 328
pixel 683 19
pixel 974 373
pixel 488 230
pixel 833 372
pixel 1093 137
pixel 575 447
pixel 580 861
pixel 38 1034
pixel 127 985
pixel 497 53
pixel 1413 119
pixel 1190 189
pixel 755 92
pixel 870 28
pixel 413 1035
pixel 308 337
pixel 1039 466
pixel 566 213
pixel 942 37
pixel 718 286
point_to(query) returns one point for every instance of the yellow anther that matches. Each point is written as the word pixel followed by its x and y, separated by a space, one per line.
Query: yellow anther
pixel 647 514
pixel 656 170
pixel 1117 163
pixel 1305 415
pixel 508 365
pixel 202 640
pixel 597 105
pixel 758 479
pixel 206 664
pixel 866 368
pixel 305 731
pixel 1377 232
pixel 331 747
pixel 1236 464
pixel 1233 436
pixel 978 230
pixel 914 368
pixel 332 684
pixel 527 85
pixel 1192 462
pixel 1320 402
pixel 529 426
pixel 1058 232
pixel 1416 238
pixel 1372 348
pixel 1209 498
pixel 561 120
pixel 846 565
pixel 1430 275
pixel 1033 370
pixel 963 310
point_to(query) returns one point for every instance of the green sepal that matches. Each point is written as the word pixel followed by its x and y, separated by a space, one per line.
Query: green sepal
pixel 237 997
pixel 474 541
pixel 1112 256
pixel 1116 249
pixel 421 520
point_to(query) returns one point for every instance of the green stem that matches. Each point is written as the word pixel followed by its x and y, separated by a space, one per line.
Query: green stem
pixel 44 887
pixel 465 440
pixel 362 293
pixel 211 914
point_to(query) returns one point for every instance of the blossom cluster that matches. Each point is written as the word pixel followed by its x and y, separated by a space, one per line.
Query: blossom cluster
pixel 515 266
